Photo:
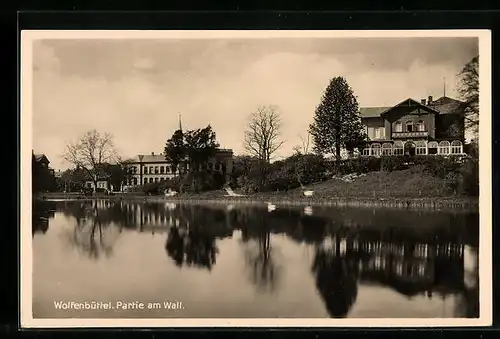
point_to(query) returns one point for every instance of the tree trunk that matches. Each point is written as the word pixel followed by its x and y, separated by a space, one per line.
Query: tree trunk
pixel 337 153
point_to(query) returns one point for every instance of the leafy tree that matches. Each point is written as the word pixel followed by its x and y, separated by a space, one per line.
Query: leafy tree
pixel 469 92
pixel 175 150
pixel 337 123
pixel 200 146
pixel 116 174
pixel 72 180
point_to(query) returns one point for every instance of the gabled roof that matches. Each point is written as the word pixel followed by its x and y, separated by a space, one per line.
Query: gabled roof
pixel 371 112
pixel 374 112
pixel 41 157
pixel 446 105
pixel 410 102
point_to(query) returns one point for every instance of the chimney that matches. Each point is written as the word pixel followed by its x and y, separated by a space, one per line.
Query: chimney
pixel 152 153
pixel 429 100
pixel 422 101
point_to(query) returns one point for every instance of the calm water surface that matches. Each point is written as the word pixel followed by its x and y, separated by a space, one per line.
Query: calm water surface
pixel 243 261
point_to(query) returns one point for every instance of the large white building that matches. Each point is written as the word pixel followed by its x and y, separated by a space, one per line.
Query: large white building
pixel 143 169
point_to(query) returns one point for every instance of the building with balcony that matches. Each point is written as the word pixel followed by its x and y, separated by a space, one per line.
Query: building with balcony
pixel 415 127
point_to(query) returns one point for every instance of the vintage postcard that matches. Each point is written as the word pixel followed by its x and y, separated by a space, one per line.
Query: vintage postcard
pixel 255 178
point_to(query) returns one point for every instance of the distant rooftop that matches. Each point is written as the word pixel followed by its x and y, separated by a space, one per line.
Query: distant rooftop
pixel 160 157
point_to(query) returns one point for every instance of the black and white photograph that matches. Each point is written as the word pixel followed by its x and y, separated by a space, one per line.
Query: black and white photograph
pixel 255 178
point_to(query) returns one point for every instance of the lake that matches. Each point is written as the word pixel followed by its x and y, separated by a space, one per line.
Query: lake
pixel 108 258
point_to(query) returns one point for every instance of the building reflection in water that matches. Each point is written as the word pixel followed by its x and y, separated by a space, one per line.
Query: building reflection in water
pixel 413 253
pixel 42 212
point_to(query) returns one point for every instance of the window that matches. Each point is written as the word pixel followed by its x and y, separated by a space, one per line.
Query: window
pixel 377 133
pixel 409 126
pixel 145 180
pixel 168 169
pixel 162 169
pixel 421 147
pixel 156 169
pixel 135 181
pixel 456 147
pixel 398 127
pixel 372 132
pixel 150 180
pixel 386 149
pixel 150 169
pixel 420 126
pixel 135 170
pixel 398 148
pixel 145 170
pixel 376 150
pixel 162 179
pixel 432 147
pixel 156 179
pixel 444 147
pixel 382 132
pixel 366 151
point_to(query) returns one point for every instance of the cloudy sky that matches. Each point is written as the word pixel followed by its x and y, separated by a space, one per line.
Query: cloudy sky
pixel 135 89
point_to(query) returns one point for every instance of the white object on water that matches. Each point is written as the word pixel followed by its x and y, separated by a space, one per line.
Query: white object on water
pixel 230 207
pixel 308 210
pixel 170 205
pixel 270 207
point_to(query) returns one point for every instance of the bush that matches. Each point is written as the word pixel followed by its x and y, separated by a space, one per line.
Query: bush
pixel 469 180
pixel 152 188
pixel 393 163
pixel 359 165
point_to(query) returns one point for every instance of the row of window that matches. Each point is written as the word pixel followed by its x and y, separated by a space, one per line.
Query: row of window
pixel 379 132
pixel 420 147
pixel 166 169
pixel 134 181
pixel 376 132
pixel 409 126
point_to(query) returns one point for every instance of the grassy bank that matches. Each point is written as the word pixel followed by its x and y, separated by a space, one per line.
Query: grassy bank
pixel 398 189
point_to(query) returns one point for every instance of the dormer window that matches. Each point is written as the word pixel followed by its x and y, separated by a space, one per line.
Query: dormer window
pixel 409 126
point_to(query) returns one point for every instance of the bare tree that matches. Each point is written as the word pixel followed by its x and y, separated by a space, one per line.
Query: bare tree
pixel 262 137
pixel 91 152
pixel 304 149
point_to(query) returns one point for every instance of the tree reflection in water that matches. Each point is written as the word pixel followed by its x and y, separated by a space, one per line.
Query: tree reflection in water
pixel 261 258
pixel 192 242
pixel 415 254
pixel 92 235
pixel 336 278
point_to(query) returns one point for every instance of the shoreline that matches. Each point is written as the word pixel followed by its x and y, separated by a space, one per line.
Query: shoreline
pixel 434 203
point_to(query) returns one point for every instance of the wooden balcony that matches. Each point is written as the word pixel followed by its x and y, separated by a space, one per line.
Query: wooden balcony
pixel 419 134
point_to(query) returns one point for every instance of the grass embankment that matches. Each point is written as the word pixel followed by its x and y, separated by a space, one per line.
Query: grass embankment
pixel 406 188
pixel 409 188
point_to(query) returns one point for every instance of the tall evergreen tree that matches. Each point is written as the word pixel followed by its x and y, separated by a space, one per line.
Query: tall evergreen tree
pixel 337 123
